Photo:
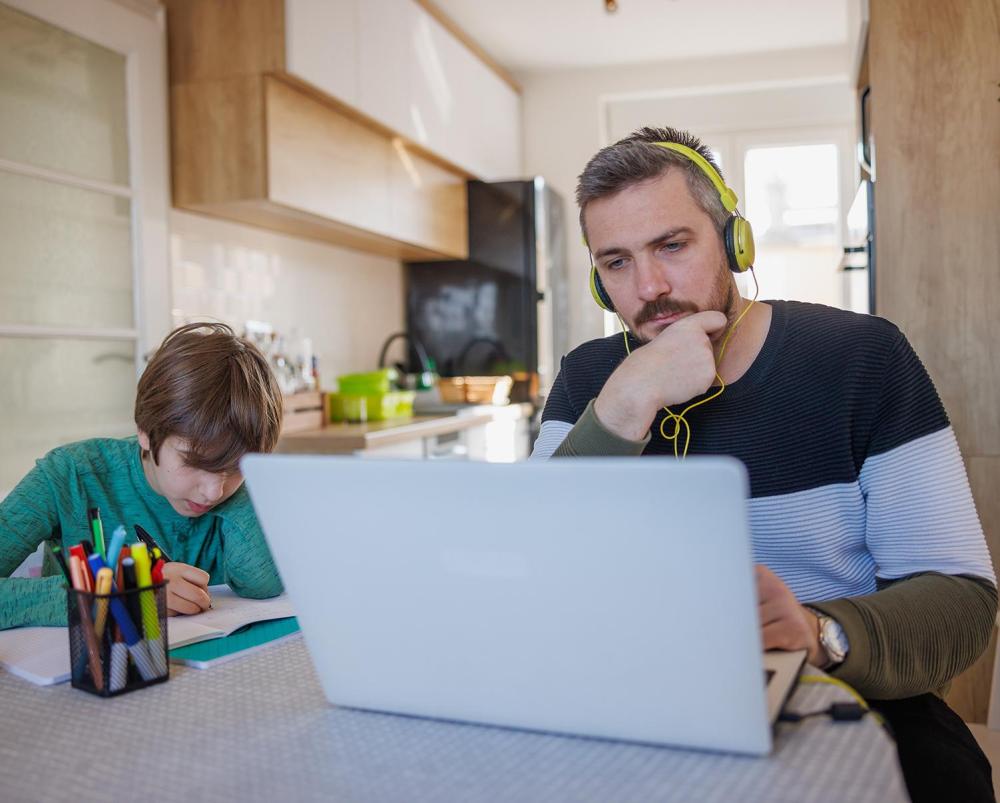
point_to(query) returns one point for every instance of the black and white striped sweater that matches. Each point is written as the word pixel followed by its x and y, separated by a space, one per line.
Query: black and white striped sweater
pixel 854 469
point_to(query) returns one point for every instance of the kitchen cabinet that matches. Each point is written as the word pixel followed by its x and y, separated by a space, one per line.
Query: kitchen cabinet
pixel 435 91
pixel 398 64
pixel 321 45
pixel 251 142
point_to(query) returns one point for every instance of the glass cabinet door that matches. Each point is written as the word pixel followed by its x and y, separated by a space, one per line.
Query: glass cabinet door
pixel 68 328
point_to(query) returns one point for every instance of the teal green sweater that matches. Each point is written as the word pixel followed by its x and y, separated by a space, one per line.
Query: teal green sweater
pixel 227 542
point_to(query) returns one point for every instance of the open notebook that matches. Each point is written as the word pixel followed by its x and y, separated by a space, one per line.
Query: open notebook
pixel 41 654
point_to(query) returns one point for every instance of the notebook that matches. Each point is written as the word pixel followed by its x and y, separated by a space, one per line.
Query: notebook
pixel 41 654
pixel 243 642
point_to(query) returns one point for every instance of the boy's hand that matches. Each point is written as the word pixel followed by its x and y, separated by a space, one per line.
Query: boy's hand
pixel 187 589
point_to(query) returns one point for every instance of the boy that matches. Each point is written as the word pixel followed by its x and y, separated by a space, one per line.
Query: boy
pixel 206 398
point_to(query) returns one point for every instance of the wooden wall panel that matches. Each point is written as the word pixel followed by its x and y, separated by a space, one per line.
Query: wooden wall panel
pixel 935 68
pixel 935 75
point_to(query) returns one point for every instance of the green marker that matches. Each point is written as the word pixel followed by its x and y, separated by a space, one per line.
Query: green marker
pixel 94 514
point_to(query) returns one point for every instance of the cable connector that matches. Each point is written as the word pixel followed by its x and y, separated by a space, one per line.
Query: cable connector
pixel 847 712
pixel 838 712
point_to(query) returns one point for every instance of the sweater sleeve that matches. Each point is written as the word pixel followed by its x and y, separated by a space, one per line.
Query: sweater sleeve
pixel 249 567
pixel 27 517
pixel 589 437
pixel 913 635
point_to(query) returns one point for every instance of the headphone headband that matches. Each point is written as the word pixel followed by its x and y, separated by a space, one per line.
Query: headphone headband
pixel 726 195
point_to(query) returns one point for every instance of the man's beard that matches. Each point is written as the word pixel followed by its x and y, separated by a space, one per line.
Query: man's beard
pixel 725 299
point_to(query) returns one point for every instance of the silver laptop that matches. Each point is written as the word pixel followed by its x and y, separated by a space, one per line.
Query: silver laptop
pixel 606 598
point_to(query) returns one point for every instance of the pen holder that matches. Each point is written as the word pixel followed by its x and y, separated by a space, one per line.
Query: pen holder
pixel 118 641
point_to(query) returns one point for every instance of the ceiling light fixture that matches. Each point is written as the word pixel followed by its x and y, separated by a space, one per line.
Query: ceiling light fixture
pixel 611 6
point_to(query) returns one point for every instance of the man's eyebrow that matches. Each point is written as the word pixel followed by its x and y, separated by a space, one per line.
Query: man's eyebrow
pixel 668 234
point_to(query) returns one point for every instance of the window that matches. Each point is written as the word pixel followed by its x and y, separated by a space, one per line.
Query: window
pixel 792 200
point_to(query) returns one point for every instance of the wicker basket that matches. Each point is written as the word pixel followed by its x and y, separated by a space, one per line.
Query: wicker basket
pixel 475 389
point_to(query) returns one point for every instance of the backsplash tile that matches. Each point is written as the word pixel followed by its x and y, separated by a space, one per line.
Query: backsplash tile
pixel 345 301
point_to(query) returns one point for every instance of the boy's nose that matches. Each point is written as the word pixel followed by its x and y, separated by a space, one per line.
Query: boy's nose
pixel 212 487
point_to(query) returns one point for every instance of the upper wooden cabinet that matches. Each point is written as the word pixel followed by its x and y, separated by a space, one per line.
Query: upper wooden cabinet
pixel 353 121
pixel 396 63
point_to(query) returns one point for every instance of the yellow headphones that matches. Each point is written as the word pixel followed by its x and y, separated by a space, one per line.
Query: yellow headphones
pixel 737 236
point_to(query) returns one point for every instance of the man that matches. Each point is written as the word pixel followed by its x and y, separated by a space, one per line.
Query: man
pixel 872 556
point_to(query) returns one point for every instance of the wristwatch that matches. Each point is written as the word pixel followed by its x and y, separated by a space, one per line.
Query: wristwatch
pixel 833 638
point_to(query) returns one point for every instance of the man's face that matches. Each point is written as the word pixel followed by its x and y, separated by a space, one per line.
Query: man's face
pixel 191 491
pixel 659 255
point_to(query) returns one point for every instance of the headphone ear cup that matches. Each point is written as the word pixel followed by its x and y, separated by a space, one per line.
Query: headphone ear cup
pixel 601 297
pixel 738 238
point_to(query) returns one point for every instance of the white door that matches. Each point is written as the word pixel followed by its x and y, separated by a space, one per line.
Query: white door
pixel 83 216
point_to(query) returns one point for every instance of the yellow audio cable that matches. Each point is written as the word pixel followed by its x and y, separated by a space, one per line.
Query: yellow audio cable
pixel 678 418
pixel 846 687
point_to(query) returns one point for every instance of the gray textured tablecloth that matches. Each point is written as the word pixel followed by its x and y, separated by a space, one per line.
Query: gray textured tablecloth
pixel 260 729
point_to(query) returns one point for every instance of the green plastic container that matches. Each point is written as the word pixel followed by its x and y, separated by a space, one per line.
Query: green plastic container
pixel 360 407
pixel 367 384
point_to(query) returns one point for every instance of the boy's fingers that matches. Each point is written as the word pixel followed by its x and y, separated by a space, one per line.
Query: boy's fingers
pixel 195 575
pixel 196 595
pixel 176 604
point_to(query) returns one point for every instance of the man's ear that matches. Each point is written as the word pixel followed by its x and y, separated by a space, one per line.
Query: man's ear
pixel 143 440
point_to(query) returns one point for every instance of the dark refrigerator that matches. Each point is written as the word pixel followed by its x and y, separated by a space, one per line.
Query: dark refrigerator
pixel 504 310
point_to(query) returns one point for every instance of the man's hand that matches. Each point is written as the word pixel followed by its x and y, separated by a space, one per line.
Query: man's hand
pixel 674 366
pixel 186 590
pixel 785 624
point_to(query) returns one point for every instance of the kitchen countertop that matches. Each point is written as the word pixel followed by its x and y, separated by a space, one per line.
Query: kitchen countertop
pixel 345 438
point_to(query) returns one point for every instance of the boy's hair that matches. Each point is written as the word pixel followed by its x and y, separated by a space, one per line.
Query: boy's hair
pixel 635 159
pixel 213 389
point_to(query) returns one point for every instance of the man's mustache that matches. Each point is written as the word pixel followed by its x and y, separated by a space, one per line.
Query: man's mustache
pixel 664 305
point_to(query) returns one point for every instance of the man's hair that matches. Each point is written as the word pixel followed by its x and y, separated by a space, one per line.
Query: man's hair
pixel 635 159
pixel 213 389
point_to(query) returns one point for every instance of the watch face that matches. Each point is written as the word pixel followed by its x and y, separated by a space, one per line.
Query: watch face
pixel 834 639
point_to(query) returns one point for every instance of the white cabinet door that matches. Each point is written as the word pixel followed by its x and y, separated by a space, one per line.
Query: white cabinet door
pixel 416 78
pixel 385 59
pixel 471 116
pixel 321 45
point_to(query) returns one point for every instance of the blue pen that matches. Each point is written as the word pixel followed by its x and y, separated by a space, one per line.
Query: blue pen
pixel 115 546
pixel 138 648
pixel 96 563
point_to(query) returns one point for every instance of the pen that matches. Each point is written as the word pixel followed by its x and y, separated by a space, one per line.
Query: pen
pixel 103 588
pixel 147 605
pixel 125 552
pixel 77 551
pixel 55 547
pixel 137 648
pixel 77 573
pixel 115 546
pixel 150 542
pixel 94 515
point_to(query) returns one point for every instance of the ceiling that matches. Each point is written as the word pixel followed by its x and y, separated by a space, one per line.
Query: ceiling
pixel 529 35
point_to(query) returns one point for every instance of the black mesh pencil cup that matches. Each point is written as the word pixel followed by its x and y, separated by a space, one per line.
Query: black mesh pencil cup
pixel 118 641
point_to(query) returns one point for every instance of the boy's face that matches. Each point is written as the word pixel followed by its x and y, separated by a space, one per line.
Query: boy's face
pixel 190 491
